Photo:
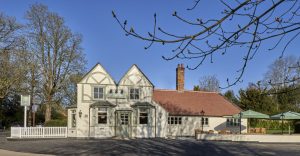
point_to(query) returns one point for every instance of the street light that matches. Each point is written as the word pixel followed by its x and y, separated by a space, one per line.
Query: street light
pixel 282 116
pixel 240 118
pixel 202 121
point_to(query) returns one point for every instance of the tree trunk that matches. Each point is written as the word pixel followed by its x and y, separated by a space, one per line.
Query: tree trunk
pixel 48 112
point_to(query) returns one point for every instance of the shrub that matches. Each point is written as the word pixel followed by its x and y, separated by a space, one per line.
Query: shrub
pixel 56 123
pixel 272 124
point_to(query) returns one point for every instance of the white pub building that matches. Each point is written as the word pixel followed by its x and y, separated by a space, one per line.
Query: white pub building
pixel 133 108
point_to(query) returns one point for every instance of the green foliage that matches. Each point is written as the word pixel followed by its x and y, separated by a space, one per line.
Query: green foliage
pixel 272 124
pixel 196 88
pixel 56 123
pixel 10 111
pixel 256 99
pixel 288 98
pixel 231 97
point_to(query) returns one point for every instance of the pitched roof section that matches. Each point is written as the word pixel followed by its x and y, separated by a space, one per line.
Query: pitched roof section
pixel 193 102
pixel 98 65
pixel 134 66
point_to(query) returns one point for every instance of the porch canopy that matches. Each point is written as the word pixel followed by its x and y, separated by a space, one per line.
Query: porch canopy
pixel 250 114
pixel 286 116
pixel 142 104
pixel 102 104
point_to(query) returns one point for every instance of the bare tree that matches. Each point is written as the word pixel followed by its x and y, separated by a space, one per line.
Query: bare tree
pixel 209 83
pixel 281 73
pixel 11 55
pixel 244 24
pixel 58 53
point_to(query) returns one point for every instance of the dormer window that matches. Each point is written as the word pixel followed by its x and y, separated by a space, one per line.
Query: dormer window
pixel 134 94
pixel 98 93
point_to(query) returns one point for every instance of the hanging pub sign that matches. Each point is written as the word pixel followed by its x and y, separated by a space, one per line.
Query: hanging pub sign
pixel 25 100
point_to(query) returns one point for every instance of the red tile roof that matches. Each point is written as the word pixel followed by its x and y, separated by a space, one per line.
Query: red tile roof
pixel 193 102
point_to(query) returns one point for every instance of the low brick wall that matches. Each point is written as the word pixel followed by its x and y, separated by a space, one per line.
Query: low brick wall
pixel 248 137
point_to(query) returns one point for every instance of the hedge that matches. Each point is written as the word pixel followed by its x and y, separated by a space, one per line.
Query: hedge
pixel 56 123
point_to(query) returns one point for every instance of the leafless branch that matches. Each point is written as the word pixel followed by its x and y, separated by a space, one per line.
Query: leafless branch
pixel 250 26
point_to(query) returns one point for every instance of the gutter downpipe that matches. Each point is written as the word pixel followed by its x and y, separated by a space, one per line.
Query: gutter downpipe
pixel 89 121
pixel 155 122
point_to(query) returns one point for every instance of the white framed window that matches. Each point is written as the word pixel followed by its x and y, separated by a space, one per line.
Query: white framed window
pixel 231 122
pixel 98 92
pixel 143 116
pixel 204 121
pixel 124 118
pixel 73 118
pixel 174 120
pixel 102 115
pixel 134 93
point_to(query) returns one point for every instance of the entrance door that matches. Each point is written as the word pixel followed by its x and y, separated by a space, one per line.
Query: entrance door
pixel 124 124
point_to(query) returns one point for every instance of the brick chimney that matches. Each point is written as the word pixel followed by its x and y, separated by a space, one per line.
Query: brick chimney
pixel 180 78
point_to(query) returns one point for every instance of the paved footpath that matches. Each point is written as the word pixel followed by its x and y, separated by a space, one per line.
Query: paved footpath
pixel 12 153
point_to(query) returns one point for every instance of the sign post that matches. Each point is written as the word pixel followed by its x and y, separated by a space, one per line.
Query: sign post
pixel 34 109
pixel 25 101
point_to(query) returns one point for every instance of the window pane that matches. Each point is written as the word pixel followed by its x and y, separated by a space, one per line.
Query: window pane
pixel 131 91
pixel 98 92
pixel 73 120
pixel 143 118
pixel 102 118
pixel 137 96
pixel 134 93
pixel 179 120
pixel 96 95
pixel 95 90
pixel 100 96
pixel 124 119
pixel 102 109
pixel 176 120
pixel 131 96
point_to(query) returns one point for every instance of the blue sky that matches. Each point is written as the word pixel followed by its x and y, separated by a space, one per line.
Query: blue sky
pixel 104 41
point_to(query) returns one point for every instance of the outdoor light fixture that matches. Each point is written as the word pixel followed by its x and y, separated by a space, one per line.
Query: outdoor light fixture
pixel 80 113
pixel 160 115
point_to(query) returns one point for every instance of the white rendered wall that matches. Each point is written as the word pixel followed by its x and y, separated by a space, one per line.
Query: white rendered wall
pixel 190 123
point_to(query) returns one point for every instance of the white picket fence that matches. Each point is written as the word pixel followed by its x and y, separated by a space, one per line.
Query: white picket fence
pixel 38 132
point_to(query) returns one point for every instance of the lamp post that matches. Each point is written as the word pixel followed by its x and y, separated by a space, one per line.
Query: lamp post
pixel 282 116
pixel 240 122
pixel 202 121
